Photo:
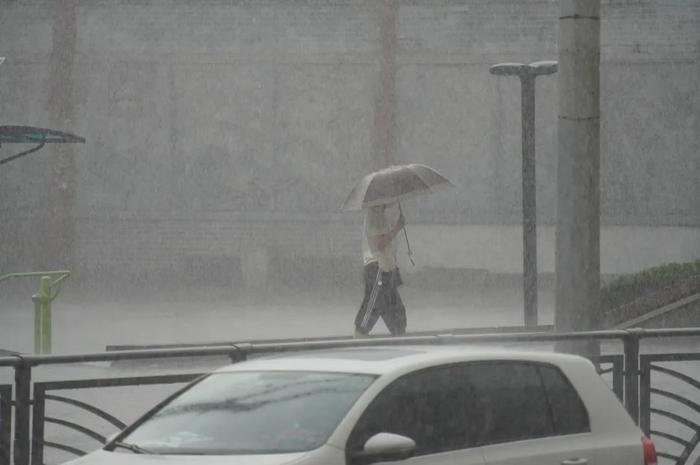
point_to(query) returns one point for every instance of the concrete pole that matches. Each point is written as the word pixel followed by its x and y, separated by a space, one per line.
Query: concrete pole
pixel 529 199
pixel 578 175
pixel 385 103
pixel 527 75
pixel 61 111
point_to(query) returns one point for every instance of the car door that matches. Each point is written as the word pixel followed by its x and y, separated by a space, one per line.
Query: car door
pixel 432 408
pixel 532 416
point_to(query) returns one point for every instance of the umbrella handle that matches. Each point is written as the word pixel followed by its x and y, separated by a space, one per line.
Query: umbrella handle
pixel 410 252
pixel 405 235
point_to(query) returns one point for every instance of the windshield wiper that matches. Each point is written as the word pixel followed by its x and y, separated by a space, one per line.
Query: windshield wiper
pixel 132 447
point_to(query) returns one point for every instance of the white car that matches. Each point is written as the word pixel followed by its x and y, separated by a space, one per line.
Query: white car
pixel 413 405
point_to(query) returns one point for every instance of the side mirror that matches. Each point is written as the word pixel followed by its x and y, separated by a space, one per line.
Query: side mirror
pixel 386 447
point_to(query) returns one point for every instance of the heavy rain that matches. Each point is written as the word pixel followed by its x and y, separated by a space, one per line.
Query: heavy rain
pixel 179 173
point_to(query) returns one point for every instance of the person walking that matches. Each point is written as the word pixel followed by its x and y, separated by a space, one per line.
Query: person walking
pixel 381 274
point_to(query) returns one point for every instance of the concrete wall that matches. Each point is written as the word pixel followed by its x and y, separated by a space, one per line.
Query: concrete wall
pixel 225 134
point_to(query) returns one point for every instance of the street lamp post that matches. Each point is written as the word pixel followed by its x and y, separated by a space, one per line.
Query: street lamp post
pixel 527 74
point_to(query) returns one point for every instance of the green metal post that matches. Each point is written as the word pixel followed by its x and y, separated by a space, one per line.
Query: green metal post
pixel 49 285
pixel 42 316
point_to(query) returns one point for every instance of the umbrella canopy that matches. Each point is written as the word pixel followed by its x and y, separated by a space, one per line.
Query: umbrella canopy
pixel 32 135
pixel 393 184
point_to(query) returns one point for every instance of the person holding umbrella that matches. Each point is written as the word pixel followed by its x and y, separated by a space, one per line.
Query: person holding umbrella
pixel 381 274
pixel 379 194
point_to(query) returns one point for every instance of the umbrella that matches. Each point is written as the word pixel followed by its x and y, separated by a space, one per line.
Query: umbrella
pixel 33 135
pixel 393 184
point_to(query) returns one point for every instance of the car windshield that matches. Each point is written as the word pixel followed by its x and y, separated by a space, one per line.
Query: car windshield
pixel 251 413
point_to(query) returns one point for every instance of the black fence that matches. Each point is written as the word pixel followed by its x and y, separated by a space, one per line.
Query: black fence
pixel 5 423
pixel 689 404
pixel 39 417
pixel 616 370
pixel 23 419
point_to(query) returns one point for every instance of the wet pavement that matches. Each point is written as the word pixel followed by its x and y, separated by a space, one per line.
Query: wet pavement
pixel 90 326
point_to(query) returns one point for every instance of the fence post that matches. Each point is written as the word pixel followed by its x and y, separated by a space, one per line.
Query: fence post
pixel 23 380
pixel 645 395
pixel 38 415
pixel 618 377
pixel 5 424
pixel 631 348
pixel 239 352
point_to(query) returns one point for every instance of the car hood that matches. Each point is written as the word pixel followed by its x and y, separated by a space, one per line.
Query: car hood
pixel 102 457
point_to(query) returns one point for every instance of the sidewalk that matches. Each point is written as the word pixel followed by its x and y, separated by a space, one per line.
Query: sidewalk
pixel 88 327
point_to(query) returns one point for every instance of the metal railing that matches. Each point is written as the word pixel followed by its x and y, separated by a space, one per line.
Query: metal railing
pixel 683 416
pixel 39 418
pixel 28 438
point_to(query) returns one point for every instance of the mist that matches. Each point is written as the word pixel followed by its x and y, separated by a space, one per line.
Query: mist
pixel 223 137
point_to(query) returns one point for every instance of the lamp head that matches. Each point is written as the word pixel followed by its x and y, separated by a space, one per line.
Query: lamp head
pixel 507 69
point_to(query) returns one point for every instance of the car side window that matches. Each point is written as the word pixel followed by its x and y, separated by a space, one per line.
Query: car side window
pixel 514 402
pixel 473 404
pixel 434 407
pixel 568 412
pixel 526 401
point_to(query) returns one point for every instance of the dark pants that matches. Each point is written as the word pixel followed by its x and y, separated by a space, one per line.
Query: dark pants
pixel 387 304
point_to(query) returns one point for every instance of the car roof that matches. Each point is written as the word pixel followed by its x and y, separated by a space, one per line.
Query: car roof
pixel 379 360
